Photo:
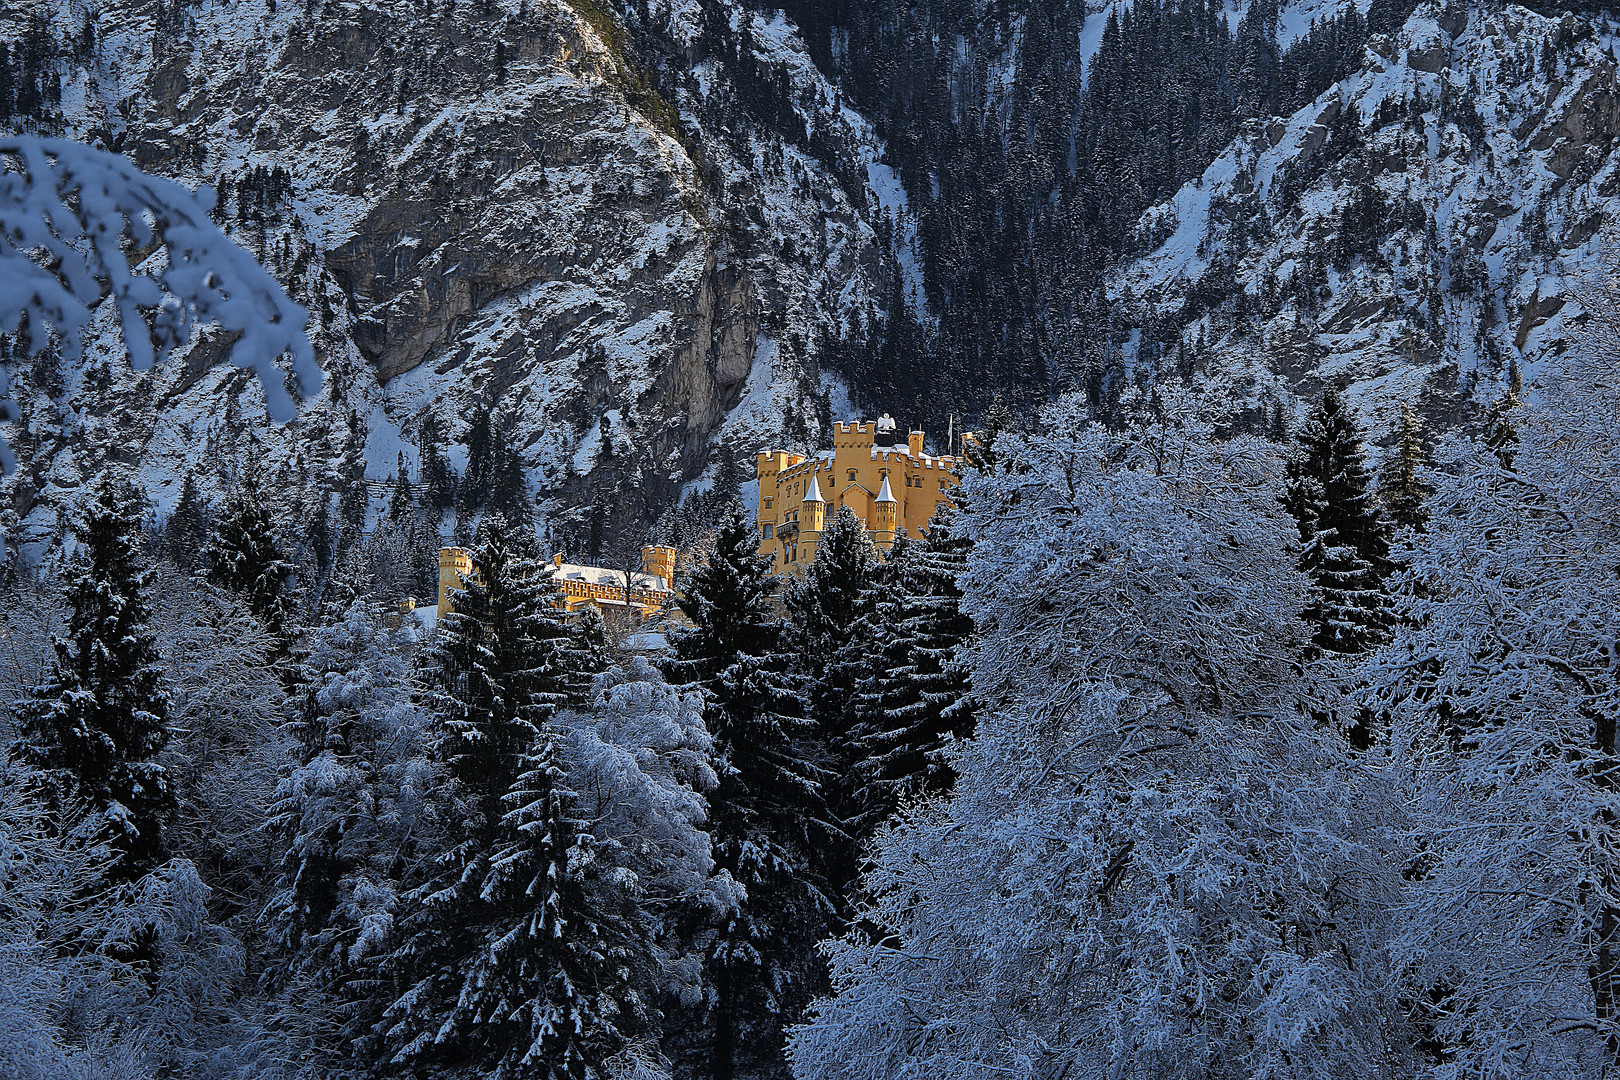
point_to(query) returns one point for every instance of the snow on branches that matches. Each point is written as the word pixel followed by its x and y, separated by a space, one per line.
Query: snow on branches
pixel 71 215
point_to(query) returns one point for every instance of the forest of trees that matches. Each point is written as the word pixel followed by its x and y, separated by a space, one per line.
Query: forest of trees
pixel 1165 752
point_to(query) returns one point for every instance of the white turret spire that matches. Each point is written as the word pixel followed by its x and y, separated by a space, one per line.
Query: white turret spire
pixel 814 494
pixel 884 494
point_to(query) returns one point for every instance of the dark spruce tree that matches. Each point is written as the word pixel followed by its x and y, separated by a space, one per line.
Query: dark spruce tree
pixel 834 597
pixel 1346 545
pixel 95 724
pixel 509 964
pixel 401 505
pixel 1501 434
pixel 768 817
pixel 245 558
pixel 913 699
pixel 438 483
pixel 1403 487
pixel 186 530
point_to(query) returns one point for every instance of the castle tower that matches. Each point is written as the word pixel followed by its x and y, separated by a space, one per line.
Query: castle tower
pixel 659 561
pixel 815 519
pixel 885 509
pixel 454 564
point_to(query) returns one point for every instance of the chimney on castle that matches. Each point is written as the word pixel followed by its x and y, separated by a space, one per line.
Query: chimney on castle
pixel 915 441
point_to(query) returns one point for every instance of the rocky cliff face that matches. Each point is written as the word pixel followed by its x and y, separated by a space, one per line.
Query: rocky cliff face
pixel 491 209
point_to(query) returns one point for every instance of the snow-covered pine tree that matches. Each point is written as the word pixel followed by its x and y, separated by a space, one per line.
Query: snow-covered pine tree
pixel 186 529
pixel 914 701
pixel 473 949
pixel 768 816
pixel 401 505
pixel 244 556
pixel 1329 486
pixel 560 987
pixel 1404 488
pixel 1349 611
pixel 589 648
pixel 97 721
pixel 1346 540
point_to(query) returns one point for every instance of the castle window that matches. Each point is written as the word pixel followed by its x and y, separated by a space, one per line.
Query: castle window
pixel 852 475
pixel 770 530
pixel 768 502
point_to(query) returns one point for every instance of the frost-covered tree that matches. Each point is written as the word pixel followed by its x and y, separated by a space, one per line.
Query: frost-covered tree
pixel 769 818
pixel 350 816
pixel 913 701
pixel 244 556
pixel 1150 865
pixel 98 719
pixel 1501 686
pixel 64 219
pixel 229 745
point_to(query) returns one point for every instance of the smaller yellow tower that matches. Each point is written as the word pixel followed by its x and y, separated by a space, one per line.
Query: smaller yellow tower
pixel 815 520
pixel 885 509
pixel 454 564
pixel 659 561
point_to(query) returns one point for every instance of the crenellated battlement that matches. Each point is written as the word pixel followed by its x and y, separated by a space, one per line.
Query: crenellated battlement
pixel 877 469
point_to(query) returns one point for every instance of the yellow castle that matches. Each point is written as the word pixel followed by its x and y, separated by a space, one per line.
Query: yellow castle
pixel 645 595
pixel 891 485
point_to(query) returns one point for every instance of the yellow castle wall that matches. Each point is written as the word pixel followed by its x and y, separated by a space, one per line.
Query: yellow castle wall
pixel 853 477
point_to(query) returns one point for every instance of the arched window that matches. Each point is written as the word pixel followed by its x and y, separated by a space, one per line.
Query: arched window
pixel 852 475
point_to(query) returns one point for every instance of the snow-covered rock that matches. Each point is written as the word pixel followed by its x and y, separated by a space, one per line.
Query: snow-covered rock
pixel 1422 224
pixel 487 207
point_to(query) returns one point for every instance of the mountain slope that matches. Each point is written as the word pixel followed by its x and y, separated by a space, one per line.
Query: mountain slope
pixel 1420 226
pixel 491 211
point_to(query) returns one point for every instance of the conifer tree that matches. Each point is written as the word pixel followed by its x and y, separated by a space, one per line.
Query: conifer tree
pixel 1346 543
pixel 913 699
pixel 589 652
pixel 187 527
pixel 1404 490
pixel 245 558
pixel 824 605
pixel 768 815
pixel 1501 433
pixel 438 483
pixel 508 965
pixel 401 507
pixel 96 722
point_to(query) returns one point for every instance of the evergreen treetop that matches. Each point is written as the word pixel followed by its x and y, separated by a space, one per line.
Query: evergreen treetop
pixel 1403 488
pixel 96 722
pixel 1329 486
pixel 244 556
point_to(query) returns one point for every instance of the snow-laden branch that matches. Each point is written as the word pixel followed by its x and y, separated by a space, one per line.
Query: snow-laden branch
pixel 64 219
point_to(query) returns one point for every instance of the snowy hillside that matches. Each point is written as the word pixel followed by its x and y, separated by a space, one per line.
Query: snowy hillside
pixel 1414 230
pixel 490 210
